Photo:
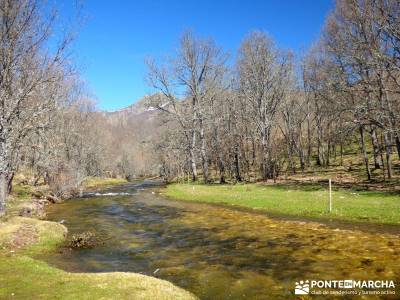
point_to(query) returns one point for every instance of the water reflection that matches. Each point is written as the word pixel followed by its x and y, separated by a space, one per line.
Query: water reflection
pixel 218 253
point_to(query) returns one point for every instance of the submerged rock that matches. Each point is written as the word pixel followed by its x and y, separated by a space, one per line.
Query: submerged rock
pixel 83 240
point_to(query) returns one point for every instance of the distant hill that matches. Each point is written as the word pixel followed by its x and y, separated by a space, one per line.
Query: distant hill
pixel 133 131
pixel 138 113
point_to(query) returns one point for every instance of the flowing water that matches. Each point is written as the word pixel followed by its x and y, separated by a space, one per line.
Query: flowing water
pixel 217 252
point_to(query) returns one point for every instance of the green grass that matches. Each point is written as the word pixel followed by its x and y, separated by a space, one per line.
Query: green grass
pixel 305 200
pixel 21 191
pixel 25 278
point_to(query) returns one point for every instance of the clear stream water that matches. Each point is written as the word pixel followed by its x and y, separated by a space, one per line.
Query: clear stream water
pixel 217 252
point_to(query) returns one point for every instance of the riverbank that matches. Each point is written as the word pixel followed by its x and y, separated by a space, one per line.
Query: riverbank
pixel 310 201
pixel 25 277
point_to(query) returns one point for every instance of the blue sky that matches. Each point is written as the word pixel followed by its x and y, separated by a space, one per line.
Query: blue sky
pixel 118 35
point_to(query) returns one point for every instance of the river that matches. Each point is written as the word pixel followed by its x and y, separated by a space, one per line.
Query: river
pixel 213 251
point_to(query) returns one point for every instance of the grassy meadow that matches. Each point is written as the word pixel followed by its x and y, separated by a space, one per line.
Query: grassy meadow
pixel 297 200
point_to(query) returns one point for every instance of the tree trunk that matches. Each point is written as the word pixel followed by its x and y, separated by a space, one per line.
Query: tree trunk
pixel 302 162
pixel 274 173
pixel 320 146
pixel 364 152
pixel 382 160
pixel 375 146
pixel 193 156
pixel 264 158
pixel 290 157
pixel 253 151
pixel 388 147
pixel 334 152
pixel 341 153
pixel 309 145
pixel 393 122
pixel 319 154
pixel 237 165
pixel 9 182
pixel 4 180
pixel 221 171
pixel 384 95
pixel 301 151
pixel 203 151
pixel 398 144
pixel 328 155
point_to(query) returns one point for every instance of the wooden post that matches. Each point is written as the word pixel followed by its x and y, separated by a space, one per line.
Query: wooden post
pixel 330 195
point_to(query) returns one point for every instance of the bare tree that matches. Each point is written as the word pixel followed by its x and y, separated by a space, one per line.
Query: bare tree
pixel 264 79
pixel 188 85
pixel 30 79
pixel 264 121
pixel 358 40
